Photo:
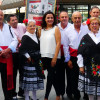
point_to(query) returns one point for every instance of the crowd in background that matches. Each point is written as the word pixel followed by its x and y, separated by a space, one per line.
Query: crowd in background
pixel 60 48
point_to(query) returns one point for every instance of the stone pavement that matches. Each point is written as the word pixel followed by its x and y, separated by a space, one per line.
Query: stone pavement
pixel 40 93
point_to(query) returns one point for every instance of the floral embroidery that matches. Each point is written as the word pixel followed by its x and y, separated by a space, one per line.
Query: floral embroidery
pixel 95 68
pixel 82 43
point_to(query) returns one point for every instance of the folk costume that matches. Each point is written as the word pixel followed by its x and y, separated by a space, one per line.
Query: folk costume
pixel 89 58
pixel 32 73
pixel 7 40
pixel 63 65
pixel 71 42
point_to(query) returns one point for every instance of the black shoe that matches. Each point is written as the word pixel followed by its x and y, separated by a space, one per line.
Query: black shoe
pixel 85 97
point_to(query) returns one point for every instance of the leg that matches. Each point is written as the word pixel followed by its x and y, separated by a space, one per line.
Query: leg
pixel 98 97
pixel 49 83
pixel 69 86
pixel 91 97
pixel 15 68
pixel 60 73
pixel 26 93
pixel 74 78
pixel 34 95
pixel 7 93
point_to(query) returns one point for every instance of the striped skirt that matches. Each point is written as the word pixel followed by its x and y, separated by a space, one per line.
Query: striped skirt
pixel 30 80
pixel 88 86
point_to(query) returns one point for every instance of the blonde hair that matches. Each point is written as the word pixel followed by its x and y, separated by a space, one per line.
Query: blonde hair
pixel 93 18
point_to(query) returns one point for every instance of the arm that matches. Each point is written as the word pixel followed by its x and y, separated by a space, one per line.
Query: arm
pixel 80 63
pixel 66 50
pixel 58 44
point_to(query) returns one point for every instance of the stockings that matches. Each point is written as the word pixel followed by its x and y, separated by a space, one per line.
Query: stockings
pixel 27 95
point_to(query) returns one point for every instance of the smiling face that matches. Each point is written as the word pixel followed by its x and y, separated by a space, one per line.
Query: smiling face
pixel 31 27
pixel 13 21
pixel 77 18
pixel 49 19
pixel 64 18
pixel 95 12
pixel 94 26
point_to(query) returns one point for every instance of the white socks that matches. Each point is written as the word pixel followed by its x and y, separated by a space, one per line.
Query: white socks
pixel 34 95
pixel 26 93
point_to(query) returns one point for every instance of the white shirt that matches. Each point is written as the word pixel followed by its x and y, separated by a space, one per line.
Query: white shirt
pixel 33 37
pixel 96 39
pixel 63 31
pixel 72 39
pixel 48 43
pixel 6 38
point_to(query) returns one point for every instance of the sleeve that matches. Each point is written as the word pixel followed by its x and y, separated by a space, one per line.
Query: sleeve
pixel 81 52
pixel 14 42
pixel 27 55
pixel 66 47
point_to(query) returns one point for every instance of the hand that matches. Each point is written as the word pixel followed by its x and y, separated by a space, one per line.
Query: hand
pixel 82 70
pixel 29 59
pixel 5 53
pixel 70 65
pixel 53 62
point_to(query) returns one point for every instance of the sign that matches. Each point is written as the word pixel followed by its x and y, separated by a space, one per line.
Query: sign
pixel 35 9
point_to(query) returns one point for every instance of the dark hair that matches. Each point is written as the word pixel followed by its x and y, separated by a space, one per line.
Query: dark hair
pixel 94 7
pixel 11 15
pixel 44 25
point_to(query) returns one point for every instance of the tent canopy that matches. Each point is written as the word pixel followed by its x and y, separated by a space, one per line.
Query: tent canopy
pixel 8 4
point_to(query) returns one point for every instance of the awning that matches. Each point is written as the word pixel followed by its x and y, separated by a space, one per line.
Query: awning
pixel 8 4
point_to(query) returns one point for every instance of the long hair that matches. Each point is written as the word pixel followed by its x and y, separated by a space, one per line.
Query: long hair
pixel 44 24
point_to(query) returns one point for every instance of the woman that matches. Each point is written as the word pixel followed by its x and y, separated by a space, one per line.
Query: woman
pixel 30 59
pixel 50 40
pixel 89 59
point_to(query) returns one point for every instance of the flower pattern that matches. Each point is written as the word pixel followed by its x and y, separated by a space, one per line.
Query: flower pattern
pixel 95 68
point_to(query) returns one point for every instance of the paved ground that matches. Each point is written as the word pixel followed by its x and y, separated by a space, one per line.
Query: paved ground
pixel 40 93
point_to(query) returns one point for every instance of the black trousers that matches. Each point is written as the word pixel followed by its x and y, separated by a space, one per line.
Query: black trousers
pixel 72 79
pixel 52 77
pixel 61 76
pixel 7 93
pixel 16 67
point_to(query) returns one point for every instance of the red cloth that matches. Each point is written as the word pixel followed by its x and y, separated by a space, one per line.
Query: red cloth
pixel 9 62
pixel 73 52
pixel 62 51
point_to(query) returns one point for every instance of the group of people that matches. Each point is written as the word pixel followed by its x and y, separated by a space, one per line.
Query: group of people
pixel 57 48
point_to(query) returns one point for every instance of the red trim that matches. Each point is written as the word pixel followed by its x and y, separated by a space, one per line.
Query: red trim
pixel 73 52
pixel 50 3
pixel 9 62
pixel 35 1
pixel 37 18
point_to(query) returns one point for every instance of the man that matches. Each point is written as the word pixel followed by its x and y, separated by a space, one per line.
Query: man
pixel 63 26
pixel 72 39
pixel 19 30
pixel 94 12
pixel 8 44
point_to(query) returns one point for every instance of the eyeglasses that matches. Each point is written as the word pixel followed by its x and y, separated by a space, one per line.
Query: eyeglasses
pixel 94 24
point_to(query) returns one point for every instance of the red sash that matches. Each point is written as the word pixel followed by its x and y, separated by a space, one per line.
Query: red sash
pixel 73 52
pixel 62 51
pixel 9 62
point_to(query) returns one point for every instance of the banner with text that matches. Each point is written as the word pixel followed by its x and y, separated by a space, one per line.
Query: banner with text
pixel 36 8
